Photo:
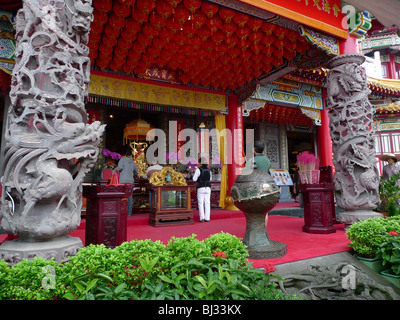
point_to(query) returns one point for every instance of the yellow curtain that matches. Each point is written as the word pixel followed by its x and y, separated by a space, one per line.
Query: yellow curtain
pixel 221 140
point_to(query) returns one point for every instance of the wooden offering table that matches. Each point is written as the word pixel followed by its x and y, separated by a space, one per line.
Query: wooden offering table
pixel 169 205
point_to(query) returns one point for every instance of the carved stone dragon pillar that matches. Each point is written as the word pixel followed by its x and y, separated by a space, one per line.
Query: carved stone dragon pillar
pixel 49 144
pixel 357 177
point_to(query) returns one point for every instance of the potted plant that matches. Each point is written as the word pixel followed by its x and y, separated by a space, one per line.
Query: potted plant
pixel 389 251
pixel 389 193
pixel 366 237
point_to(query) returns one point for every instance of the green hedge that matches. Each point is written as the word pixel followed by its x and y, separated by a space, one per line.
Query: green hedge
pixel 367 235
pixel 184 268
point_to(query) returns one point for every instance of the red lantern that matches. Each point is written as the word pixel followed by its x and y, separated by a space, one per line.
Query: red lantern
pixel 134 55
pixel 192 5
pixel 166 35
pixel 106 55
pixel 189 29
pixel 120 52
pixel 243 33
pixel 94 37
pixel 164 9
pixel 116 22
pixel 109 41
pixel 102 63
pixel 130 2
pixel 235 52
pixel 268 28
pixel 173 47
pixel 229 29
pixel 139 15
pixel 232 41
pixel 149 30
pixel 111 32
pixel 125 43
pixel 122 9
pixel 174 3
pixel 210 9
pixel 132 25
pixel 226 14
pixel 99 17
pixel 195 42
pixel 139 47
pixel 208 45
pixel 144 40
pixel 240 19
pixel 218 37
pixel 103 5
pixel 255 24
pixel 257 37
pixel 96 28
pixel 158 43
pixel 204 33
pixel 181 14
pixel 173 24
pixel 128 67
pixel 180 38
pixel 199 19
pixel 221 49
pixel 146 5
pixel 128 36
pixel 214 23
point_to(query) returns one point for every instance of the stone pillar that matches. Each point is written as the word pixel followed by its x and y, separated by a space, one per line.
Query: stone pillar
pixel 49 144
pixel 356 177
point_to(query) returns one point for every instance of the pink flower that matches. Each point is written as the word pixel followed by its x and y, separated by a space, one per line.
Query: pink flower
pixel 393 233
pixel 219 254
pixel 269 268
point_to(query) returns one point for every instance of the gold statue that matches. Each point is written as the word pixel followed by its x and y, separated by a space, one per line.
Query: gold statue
pixel 139 156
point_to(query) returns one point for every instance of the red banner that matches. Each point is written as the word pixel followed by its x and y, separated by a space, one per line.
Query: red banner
pixel 325 15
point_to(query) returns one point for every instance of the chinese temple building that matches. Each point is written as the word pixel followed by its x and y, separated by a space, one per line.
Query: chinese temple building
pixel 248 64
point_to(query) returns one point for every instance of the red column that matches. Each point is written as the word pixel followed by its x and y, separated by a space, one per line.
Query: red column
pixel 234 124
pixel 324 137
pixel 349 45
pixel 392 67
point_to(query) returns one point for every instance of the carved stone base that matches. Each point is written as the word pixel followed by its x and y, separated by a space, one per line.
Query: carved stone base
pixel 58 248
pixel 274 250
pixel 352 216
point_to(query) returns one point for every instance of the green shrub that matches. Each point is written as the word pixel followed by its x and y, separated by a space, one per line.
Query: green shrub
pixel 129 256
pixel 389 251
pixel 27 280
pixel 231 245
pixel 182 250
pixel 185 268
pixel 367 235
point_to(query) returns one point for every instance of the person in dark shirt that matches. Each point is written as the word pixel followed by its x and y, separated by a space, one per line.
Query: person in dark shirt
pixel 202 176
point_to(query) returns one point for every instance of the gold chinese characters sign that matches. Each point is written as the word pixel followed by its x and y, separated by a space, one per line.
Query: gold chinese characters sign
pixel 124 89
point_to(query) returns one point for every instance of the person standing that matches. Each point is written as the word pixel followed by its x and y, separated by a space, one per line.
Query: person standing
pixel 261 161
pixel 127 169
pixel 390 169
pixel 202 176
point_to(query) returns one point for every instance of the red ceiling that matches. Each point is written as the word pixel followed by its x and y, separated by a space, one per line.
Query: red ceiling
pixel 278 114
pixel 200 42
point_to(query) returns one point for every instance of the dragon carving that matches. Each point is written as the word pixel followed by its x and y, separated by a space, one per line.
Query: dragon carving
pixel 351 126
pixel 50 145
